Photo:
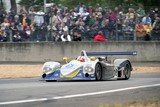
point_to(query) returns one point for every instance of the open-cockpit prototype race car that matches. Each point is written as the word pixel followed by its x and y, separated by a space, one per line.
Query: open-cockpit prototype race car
pixel 89 66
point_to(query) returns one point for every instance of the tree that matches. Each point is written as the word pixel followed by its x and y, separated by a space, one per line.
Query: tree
pixel 1 4
pixel 13 5
pixel 72 3
pixel 34 3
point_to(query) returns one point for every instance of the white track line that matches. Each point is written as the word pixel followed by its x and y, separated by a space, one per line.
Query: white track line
pixel 77 95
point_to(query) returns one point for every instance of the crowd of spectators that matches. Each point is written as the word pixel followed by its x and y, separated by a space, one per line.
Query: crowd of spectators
pixel 83 23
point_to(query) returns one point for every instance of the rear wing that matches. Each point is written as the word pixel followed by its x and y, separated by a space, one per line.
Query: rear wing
pixel 132 53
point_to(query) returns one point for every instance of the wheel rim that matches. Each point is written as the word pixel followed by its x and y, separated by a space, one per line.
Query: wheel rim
pixel 127 71
pixel 98 72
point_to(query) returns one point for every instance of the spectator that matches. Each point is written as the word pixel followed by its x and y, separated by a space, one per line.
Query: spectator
pixel 5 26
pixel 112 22
pixel 66 19
pixel 14 29
pixel 17 37
pixel 130 15
pixel 154 13
pixel 156 24
pixel 105 27
pixel 32 14
pixel 27 32
pixel 77 36
pixel 80 22
pixel 157 11
pixel 2 15
pixel 146 20
pixel 59 22
pixel 56 37
pixel 112 16
pixel 65 37
pixel 156 29
pixel 39 18
pixel 80 8
pixel 128 25
pixel 39 26
pixel 99 37
pixel 140 12
pixel 56 19
pixel 2 35
pixel 90 10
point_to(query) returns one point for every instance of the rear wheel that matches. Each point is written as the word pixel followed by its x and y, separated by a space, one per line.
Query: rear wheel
pixel 127 72
pixel 98 72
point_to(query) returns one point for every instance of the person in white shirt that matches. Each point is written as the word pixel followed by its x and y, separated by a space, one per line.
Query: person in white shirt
pixel 39 18
pixel 65 37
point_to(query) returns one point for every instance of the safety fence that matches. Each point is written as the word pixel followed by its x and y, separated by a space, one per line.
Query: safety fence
pixel 115 24
pixel 137 32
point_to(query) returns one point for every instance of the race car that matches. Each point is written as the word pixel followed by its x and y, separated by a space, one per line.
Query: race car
pixel 89 66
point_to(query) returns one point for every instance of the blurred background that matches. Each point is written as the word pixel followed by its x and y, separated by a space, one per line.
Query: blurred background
pixel 79 20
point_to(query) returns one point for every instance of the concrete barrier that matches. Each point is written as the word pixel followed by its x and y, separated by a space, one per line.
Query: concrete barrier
pixel 41 52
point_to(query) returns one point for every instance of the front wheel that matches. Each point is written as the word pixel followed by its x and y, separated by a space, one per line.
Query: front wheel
pixel 98 72
pixel 127 71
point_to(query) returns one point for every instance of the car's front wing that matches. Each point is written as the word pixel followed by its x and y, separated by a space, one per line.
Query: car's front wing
pixel 56 75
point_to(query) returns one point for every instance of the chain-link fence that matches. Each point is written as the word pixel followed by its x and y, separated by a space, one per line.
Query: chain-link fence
pixel 81 24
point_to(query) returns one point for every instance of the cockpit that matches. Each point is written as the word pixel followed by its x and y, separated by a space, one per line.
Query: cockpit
pixel 83 57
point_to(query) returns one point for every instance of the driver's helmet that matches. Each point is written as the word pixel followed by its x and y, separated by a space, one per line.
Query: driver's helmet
pixel 81 58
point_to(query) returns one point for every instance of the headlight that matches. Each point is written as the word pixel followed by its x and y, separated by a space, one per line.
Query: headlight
pixel 47 69
pixel 88 69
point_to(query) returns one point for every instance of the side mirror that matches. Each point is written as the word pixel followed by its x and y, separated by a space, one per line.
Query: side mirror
pixel 66 59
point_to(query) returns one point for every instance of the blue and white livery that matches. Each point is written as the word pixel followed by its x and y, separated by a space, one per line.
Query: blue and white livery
pixel 89 66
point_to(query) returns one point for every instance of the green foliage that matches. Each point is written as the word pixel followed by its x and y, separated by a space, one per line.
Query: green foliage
pixel 68 3
pixel 34 2
pixel 73 3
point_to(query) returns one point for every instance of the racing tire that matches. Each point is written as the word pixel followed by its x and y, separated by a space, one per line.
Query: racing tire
pixel 51 80
pixel 98 72
pixel 127 71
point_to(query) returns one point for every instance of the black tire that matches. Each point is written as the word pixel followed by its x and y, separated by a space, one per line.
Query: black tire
pixel 51 80
pixel 48 81
pixel 98 72
pixel 127 71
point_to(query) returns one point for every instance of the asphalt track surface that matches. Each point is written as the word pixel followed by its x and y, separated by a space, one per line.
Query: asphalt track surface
pixel 31 92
